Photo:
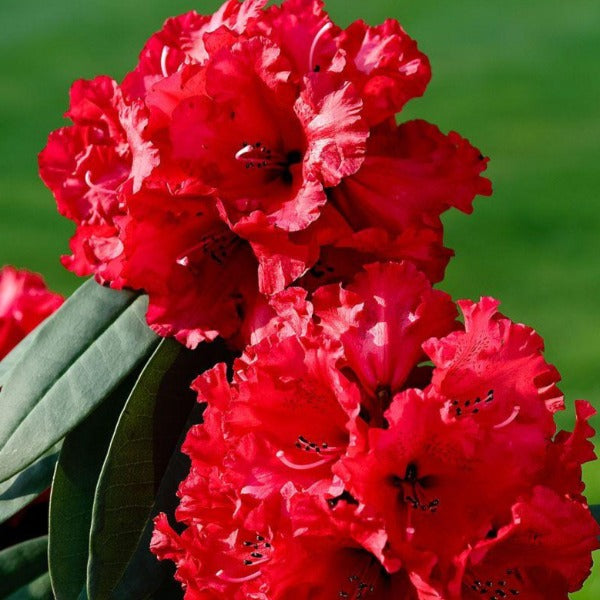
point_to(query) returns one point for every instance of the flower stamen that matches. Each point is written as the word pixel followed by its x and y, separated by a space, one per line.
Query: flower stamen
pixel 163 61
pixel 316 40
pixel 510 419
pixel 303 444
pixel 221 575
pixel 216 246
pixel 260 157
pixel 94 186
pixel 302 467
pixel 363 582
pixel 506 587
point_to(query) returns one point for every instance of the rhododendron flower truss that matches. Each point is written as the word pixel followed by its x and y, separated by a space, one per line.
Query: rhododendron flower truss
pixel 25 302
pixel 336 464
pixel 281 126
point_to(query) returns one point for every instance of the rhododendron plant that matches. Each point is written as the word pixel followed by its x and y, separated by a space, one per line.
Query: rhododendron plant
pixel 318 420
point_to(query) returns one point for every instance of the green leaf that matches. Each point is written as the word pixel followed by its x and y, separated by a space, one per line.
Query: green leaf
pixel 22 564
pixel 72 497
pixel 80 355
pixel 595 510
pixel 144 573
pixel 38 589
pixel 18 491
pixel 142 471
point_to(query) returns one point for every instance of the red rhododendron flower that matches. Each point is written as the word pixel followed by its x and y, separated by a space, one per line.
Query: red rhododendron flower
pixel 335 463
pixel 261 144
pixel 181 41
pixel 542 554
pixel 415 474
pixel 382 320
pixel 25 302
pixel 569 451
pixel 244 129
pixel 412 173
pixel 494 370
pixel 87 166
pixel 170 266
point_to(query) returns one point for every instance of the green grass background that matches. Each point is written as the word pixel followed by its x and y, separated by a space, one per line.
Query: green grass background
pixel 519 78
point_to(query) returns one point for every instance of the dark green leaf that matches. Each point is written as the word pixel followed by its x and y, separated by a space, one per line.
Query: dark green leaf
pixel 142 471
pixel 18 491
pixel 144 573
pixel 81 354
pixel 72 497
pixel 22 564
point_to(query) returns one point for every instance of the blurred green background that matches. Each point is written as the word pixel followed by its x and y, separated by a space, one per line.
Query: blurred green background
pixel 519 78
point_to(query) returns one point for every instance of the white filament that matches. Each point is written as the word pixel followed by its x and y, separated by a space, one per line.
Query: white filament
pixel 163 61
pixel 221 575
pixel 315 43
pixel 241 154
pixel 305 467
pixel 93 186
pixel 510 419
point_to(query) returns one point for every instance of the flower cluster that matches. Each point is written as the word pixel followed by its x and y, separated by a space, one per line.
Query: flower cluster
pixel 24 303
pixel 249 150
pixel 338 463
